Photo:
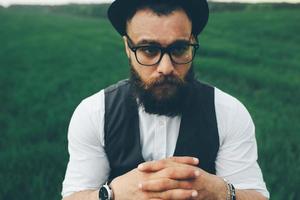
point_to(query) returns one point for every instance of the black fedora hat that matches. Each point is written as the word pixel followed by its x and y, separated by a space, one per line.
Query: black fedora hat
pixel 197 10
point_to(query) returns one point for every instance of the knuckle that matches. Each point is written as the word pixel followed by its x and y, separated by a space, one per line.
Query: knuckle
pixel 158 184
pixel 185 194
pixel 165 195
pixel 145 196
pixel 171 173
pixel 165 182
pixel 160 165
pixel 190 173
pixel 144 176
pixel 163 162
pixel 145 186
pixel 185 185
pixel 172 194
pixel 149 164
pixel 164 173
pixel 174 159
pixel 201 195
pixel 202 175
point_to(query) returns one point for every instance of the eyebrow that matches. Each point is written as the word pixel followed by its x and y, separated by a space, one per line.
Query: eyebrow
pixel 154 42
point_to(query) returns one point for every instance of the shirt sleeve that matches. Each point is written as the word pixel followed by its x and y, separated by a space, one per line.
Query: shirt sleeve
pixel 88 166
pixel 237 156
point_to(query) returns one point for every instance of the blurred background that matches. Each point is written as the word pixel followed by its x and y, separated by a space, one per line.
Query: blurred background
pixel 52 57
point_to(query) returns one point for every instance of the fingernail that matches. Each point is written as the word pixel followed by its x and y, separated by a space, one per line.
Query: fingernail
pixel 140 166
pixel 196 160
pixel 140 185
pixel 194 193
pixel 197 173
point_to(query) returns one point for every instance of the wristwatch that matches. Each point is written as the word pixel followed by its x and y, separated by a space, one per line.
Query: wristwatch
pixel 106 193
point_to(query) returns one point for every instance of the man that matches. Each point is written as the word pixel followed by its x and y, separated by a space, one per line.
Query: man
pixel 192 135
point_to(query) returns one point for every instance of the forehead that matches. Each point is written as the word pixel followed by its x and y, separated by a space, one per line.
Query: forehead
pixel 147 25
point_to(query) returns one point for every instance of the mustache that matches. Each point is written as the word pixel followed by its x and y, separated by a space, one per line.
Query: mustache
pixel 163 80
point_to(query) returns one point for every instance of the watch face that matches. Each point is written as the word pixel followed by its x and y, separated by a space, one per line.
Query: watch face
pixel 103 194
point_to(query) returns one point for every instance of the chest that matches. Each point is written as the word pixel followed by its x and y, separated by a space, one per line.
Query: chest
pixel 158 135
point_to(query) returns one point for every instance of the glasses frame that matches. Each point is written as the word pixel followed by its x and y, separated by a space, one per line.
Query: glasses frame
pixel 163 50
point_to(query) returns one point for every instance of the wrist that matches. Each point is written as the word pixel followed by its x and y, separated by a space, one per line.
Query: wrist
pixel 230 194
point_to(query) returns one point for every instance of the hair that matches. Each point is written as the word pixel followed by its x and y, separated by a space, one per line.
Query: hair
pixel 159 7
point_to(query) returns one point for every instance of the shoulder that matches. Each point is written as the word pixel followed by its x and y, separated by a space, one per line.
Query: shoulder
pixel 87 118
pixel 226 101
pixel 121 84
pixel 93 103
pixel 232 116
pixel 228 105
pixel 96 102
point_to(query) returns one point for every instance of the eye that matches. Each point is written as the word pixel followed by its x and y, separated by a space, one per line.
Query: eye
pixel 179 50
pixel 149 51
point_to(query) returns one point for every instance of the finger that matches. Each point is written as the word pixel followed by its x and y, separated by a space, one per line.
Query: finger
pixel 153 166
pixel 185 160
pixel 177 173
pixel 163 184
pixel 176 194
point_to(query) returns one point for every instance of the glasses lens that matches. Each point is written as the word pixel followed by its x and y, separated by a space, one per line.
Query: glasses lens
pixel 148 55
pixel 182 53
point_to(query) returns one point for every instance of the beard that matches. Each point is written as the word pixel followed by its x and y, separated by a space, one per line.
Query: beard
pixel 168 95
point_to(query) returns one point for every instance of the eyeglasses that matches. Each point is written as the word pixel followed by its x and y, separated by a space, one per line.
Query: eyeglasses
pixel 180 52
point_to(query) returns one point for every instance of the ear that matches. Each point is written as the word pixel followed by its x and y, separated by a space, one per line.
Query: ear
pixel 127 50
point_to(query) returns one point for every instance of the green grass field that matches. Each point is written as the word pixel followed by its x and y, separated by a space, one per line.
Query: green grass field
pixel 50 61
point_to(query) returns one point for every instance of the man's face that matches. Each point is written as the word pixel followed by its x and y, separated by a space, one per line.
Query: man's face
pixel 162 81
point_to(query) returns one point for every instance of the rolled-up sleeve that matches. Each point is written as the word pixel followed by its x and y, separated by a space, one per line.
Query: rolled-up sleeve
pixel 237 156
pixel 88 167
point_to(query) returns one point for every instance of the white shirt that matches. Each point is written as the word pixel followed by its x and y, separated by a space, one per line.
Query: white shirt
pixel 88 166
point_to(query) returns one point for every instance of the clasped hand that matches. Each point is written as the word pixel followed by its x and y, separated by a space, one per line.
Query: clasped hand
pixel 172 178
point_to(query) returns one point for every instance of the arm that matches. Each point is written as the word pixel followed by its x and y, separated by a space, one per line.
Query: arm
pixel 249 195
pixel 237 156
pixel 88 166
pixel 84 195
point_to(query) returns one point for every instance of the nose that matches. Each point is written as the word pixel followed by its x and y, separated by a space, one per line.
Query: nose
pixel 165 66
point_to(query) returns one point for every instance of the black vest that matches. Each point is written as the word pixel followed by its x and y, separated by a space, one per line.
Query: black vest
pixel 198 134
